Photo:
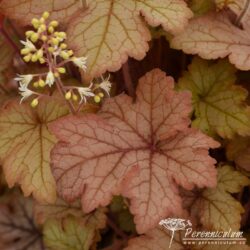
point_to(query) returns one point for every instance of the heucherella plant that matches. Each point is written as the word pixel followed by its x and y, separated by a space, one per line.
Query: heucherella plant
pixel 46 45
pixel 157 159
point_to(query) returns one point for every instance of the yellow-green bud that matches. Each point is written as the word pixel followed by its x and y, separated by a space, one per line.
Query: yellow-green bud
pixel 51 29
pixel 42 60
pixel 34 37
pixel 101 94
pixel 41 83
pixel 70 52
pixel 25 51
pixel 64 55
pixel 29 33
pixel 68 95
pixel 54 41
pixel 54 24
pixel 56 74
pixel 63 46
pixel 62 35
pixel 45 14
pixel 27 58
pixel 34 58
pixel 61 70
pixel 39 53
pixel 42 28
pixel 42 20
pixel 75 97
pixel 35 22
pixel 44 38
pixel 34 103
pixel 35 84
pixel 51 49
pixel 97 98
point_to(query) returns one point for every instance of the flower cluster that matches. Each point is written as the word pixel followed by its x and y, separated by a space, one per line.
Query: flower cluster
pixel 46 45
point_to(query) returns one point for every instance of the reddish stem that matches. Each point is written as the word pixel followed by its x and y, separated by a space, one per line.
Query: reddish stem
pixel 9 40
pixel 127 80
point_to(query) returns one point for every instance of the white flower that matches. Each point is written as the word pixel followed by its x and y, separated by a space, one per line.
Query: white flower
pixel 24 92
pixel 28 44
pixel 24 79
pixel 105 85
pixel 85 92
pixel 80 62
pixel 50 79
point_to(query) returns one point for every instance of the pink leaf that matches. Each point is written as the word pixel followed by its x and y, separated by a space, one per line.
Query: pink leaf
pixel 214 36
pixel 142 150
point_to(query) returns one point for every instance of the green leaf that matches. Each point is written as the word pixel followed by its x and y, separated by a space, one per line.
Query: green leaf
pixel 200 7
pixel 218 103
pixel 216 208
pixel 68 234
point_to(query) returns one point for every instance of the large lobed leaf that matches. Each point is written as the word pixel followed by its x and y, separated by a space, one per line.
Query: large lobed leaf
pixel 25 10
pixel 18 230
pixel 111 30
pixel 143 151
pixel 214 36
pixel 215 208
pixel 219 104
pixel 25 145
pixel 108 31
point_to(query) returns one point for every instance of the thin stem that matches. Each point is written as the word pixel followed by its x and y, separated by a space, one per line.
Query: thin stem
pixel 116 229
pixel 127 80
pixel 60 87
pixel 9 40
pixel 242 14
pixel 52 66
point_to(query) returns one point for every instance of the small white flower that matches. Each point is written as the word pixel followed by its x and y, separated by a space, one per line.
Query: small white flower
pixel 24 92
pixel 85 92
pixel 105 85
pixel 24 79
pixel 28 44
pixel 50 79
pixel 80 62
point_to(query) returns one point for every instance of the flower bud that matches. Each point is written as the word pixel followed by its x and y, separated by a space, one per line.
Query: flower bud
pixel 34 103
pixel 51 29
pixel 63 46
pixel 39 53
pixel 55 41
pixel 35 84
pixel 61 70
pixel 27 58
pixel 25 51
pixel 101 94
pixel 29 33
pixel 51 49
pixel 53 24
pixel 45 14
pixel 75 97
pixel 97 98
pixel 64 55
pixel 34 37
pixel 44 38
pixel 41 60
pixel 34 58
pixel 35 22
pixel 68 95
pixel 41 83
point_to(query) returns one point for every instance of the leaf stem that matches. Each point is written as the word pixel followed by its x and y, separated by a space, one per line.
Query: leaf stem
pixel 116 229
pixel 127 80
pixel 9 40
pixel 242 14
